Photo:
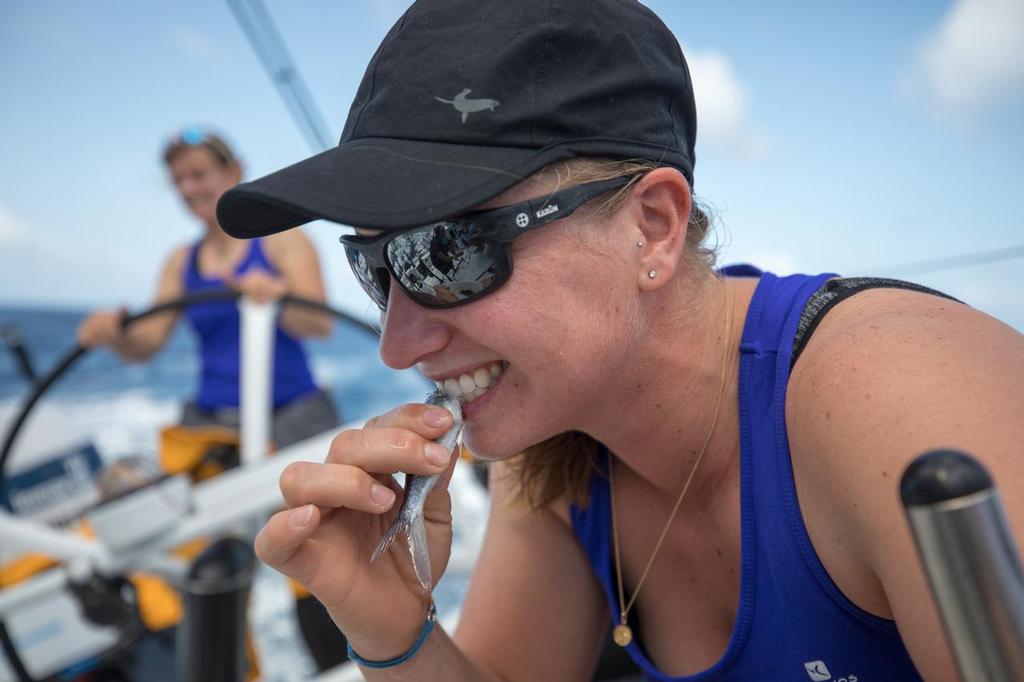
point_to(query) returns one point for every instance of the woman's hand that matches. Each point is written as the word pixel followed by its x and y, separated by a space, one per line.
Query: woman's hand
pixel 101 328
pixel 259 285
pixel 337 512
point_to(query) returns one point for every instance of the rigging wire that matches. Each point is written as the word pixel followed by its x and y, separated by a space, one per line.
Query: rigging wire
pixel 261 31
pixel 961 260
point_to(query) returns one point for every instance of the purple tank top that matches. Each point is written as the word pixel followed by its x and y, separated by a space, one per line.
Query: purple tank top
pixel 792 623
pixel 217 328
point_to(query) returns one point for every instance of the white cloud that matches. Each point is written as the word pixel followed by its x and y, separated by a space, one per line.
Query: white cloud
pixel 12 231
pixel 722 115
pixel 976 55
pixel 193 42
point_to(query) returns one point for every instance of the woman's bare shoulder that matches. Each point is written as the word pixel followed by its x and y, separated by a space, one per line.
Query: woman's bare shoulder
pixel 903 344
pixel 899 371
pixel 887 376
pixel 177 261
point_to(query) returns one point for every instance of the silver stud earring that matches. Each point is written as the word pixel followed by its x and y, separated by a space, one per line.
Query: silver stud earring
pixel 639 245
pixel 652 274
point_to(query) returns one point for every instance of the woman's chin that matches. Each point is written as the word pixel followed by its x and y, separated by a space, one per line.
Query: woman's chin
pixel 485 448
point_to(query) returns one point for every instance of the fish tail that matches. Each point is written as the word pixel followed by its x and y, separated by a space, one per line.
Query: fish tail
pixel 399 525
pixel 418 548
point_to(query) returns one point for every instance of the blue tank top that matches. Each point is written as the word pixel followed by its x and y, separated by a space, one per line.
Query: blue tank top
pixel 793 622
pixel 217 327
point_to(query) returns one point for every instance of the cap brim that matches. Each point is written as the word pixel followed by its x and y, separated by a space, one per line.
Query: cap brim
pixel 379 183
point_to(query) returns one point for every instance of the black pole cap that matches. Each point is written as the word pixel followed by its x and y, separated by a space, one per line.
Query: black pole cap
pixel 941 475
pixel 225 566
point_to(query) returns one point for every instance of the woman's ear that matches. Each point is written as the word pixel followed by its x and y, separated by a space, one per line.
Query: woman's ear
pixel 661 204
pixel 236 171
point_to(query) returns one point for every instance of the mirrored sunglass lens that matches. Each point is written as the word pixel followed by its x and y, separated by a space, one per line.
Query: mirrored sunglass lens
pixel 364 273
pixel 445 264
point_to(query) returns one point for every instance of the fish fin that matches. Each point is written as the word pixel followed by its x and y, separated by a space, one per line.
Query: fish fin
pixel 397 526
pixel 420 551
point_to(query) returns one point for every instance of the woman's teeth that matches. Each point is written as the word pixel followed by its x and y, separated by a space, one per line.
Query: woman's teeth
pixel 467 387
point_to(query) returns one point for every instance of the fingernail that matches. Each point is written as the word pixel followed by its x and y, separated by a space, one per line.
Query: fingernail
pixel 381 495
pixel 436 454
pixel 437 416
pixel 301 516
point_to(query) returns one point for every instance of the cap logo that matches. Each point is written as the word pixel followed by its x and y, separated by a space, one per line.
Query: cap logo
pixel 522 220
pixel 467 106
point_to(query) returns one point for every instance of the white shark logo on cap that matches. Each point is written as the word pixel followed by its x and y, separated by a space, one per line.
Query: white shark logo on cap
pixel 467 106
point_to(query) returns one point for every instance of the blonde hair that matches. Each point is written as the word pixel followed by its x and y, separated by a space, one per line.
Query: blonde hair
pixel 561 466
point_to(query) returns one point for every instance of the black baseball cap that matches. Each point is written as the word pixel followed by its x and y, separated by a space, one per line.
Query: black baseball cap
pixel 465 98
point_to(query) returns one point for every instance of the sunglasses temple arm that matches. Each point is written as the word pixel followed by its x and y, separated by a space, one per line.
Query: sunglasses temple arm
pixel 540 212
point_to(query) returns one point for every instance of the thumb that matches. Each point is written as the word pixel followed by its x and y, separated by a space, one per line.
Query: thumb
pixel 281 543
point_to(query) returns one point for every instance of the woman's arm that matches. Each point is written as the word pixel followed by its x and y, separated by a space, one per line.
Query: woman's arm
pixel 534 610
pixel 144 338
pixel 294 256
pixel 888 376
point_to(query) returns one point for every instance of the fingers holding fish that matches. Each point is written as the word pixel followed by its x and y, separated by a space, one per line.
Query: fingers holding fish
pixel 332 486
pixel 446 476
pixel 430 421
pixel 389 450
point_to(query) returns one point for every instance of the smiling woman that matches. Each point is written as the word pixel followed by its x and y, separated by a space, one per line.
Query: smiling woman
pixel 202 167
pixel 702 458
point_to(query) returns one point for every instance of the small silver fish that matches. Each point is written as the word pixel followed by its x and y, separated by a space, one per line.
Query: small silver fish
pixel 410 517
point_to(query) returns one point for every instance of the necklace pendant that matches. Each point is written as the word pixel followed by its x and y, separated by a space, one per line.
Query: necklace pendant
pixel 622 634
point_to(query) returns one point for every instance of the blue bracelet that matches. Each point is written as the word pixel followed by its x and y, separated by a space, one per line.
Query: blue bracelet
pixel 398 660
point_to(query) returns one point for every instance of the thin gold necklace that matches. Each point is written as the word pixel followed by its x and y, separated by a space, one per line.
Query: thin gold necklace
pixel 622 633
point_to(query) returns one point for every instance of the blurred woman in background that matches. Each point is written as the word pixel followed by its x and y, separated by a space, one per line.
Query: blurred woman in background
pixel 202 167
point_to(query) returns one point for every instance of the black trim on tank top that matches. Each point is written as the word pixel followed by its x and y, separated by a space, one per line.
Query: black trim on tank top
pixel 836 291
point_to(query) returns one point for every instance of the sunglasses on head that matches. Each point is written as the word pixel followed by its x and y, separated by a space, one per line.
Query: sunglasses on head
pixel 452 262
pixel 194 136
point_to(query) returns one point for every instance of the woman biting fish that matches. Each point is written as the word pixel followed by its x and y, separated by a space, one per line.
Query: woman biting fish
pixel 703 460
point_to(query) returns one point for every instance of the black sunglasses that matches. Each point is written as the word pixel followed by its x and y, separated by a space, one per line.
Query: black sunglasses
pixel 452 262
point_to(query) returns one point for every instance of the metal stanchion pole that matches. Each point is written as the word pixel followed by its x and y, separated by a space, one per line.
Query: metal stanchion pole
pixel 972 564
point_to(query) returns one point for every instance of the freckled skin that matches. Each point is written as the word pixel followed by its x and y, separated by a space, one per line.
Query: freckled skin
pixel 550 386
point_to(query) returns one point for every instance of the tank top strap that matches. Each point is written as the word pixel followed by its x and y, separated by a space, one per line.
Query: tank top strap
pixel 191 275
pixel 774 314
pixel 255 257
pixel 788 575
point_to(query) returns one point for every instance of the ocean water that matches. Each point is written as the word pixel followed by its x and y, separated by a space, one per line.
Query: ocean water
pixel 121 407
pixel 346 363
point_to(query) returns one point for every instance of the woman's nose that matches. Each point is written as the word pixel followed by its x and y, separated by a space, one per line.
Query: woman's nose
pixel 409 332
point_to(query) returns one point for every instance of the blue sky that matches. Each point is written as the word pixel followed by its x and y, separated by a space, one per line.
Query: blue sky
pixel 845 137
